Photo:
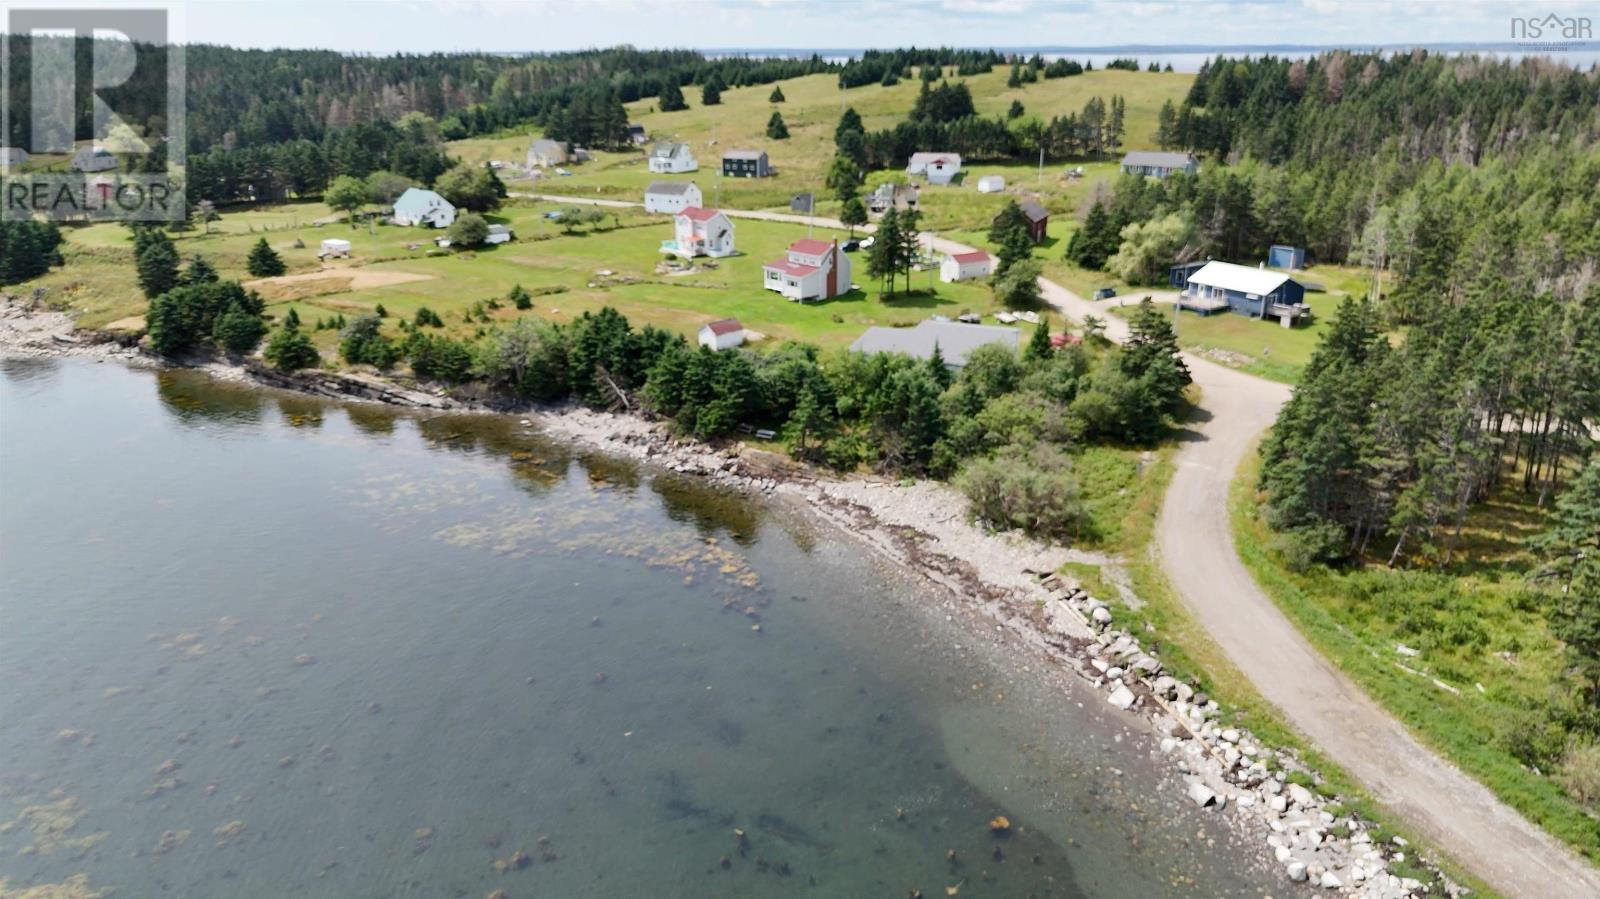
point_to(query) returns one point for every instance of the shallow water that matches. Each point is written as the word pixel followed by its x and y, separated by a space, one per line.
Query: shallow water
pixel 257 645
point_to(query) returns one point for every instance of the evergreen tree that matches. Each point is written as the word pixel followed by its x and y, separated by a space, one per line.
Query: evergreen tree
pixel 1039 348
pixel 777 95
pixel 776 129
pixel 1152 356
pixel 200 271
pixel 939 369
pixel 1015 78
pixel 264 262
pixel 711 90
pixel 1571 549
pixel 852 214
pixel 671 98
pixel 883 256
pixel 157 265
pixel 849 123
pixel 1016 111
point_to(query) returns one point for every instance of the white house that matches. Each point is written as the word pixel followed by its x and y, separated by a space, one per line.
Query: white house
pixel 812 270
pixel 544 153
pixel 991 184
pixel 700 232
pixel 419 206
pixel 93 159
pixel 965 266
pixel 724 334
pixel 498 234
pixel 13 156
pixel 670 159
pixel 938 168
pixel 671 196
pixel 334 246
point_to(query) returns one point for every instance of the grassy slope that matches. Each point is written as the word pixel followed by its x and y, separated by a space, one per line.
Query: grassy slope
pixel 811 110
pixel 1474 625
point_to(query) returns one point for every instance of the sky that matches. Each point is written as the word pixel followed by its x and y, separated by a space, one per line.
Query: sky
pixel 414 26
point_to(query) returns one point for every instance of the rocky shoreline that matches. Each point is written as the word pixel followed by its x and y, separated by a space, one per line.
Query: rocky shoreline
pixel 1268 794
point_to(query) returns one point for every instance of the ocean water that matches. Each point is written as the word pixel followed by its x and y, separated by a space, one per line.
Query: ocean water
pixel 253 644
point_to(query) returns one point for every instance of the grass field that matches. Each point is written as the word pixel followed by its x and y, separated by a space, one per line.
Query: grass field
pixel 1475 628
pixel 401 269
pixel 811 110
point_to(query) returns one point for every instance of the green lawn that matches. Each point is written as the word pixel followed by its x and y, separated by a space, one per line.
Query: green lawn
pixel 1476 628
pixel 1260 347
pixel 98 281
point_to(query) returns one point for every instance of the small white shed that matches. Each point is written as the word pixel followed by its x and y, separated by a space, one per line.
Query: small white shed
pixel 335 246
pixel 991 184
pixel 724 334
pixel 965 266
pixel 498 234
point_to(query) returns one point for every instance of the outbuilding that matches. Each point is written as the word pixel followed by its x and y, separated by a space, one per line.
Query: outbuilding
pixel 723 334
pixel 991 184
pixel 334 246
pixel 1282 256
pixel 965 266
pixel 499 234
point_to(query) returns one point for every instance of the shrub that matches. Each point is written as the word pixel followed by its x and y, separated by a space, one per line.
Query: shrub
pixel 1303 547
pixel 290 349
pixel 1580 772
pixel 1032 489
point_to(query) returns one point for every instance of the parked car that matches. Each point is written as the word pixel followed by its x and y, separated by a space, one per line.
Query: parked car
pixel 1105 293
pixel 850 246
pixel 553 214
pixel 970 318
pixel 867 242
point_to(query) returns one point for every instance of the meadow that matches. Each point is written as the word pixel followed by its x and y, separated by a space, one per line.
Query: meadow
pixel 811 110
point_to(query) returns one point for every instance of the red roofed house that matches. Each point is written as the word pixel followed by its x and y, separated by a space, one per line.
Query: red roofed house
pixel 700 232
pixel 813 270
pixel 723 334
pixel 963 266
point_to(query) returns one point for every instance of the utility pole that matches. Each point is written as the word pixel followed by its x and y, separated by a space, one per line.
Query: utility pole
pixel 1040 183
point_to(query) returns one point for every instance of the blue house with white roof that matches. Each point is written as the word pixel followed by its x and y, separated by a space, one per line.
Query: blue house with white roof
pixel 1256 292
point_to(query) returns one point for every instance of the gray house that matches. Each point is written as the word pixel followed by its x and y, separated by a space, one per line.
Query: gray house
pixel 899 196
pixel 1159 165
pixel 745 164
pixel 1256 292
pixel 955 340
